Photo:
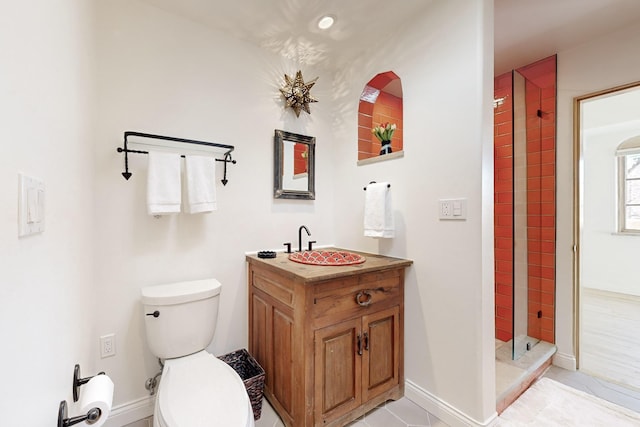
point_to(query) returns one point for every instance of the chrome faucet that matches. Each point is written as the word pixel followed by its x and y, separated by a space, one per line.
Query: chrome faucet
pixel 300 236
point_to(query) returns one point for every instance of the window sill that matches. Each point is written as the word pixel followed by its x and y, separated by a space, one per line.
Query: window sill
pixel 382 158
pixel 626 233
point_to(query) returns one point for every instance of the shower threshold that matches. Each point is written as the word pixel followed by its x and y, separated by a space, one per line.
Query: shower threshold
pixel 513 377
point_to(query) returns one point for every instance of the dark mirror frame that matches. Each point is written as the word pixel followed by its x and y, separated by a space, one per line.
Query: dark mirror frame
pixel 281 193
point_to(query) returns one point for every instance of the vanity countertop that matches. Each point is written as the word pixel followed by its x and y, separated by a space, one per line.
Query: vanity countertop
pixel 316 273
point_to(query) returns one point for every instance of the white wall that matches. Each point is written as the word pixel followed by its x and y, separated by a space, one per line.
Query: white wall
pixel 601 64
pixel 158 73
pixel 445 63
pixel 162 74
pixel 609 259
pixel 46 280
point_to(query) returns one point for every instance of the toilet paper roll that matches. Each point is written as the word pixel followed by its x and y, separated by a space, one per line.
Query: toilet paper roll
pixel 97 393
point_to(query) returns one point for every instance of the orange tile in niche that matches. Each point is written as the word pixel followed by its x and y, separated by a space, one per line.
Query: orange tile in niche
pixel 365 108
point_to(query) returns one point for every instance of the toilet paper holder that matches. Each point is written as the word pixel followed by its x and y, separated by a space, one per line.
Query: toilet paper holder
pixel 77 381
pixel 90 417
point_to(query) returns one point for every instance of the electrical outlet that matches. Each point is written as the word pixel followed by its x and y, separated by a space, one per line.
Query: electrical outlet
pixel 445 209
pixel 107 345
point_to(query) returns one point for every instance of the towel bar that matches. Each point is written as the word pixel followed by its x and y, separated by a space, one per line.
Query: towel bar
pixel 125 149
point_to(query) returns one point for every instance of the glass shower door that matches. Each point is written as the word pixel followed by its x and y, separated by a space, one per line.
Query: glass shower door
pixel 526 212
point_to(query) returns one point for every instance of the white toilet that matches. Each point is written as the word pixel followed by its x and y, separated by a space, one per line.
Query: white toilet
pixel 196 388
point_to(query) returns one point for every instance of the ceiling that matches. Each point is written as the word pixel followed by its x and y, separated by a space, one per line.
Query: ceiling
pixel 528 30
pixel 289 27
pixel 525 30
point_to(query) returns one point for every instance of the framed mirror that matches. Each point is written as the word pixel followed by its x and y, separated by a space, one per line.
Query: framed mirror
pixel 294 166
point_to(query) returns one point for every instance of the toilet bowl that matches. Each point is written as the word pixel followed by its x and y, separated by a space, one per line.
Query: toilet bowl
pixel 190 394
pixel 196 389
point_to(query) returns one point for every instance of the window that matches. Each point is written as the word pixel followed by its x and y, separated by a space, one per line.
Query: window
pixel 628 154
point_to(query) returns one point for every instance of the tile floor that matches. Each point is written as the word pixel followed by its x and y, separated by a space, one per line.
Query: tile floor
pixel 404 413
pixel 400 413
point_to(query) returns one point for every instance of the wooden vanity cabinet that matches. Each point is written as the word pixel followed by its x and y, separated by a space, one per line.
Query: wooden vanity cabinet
pixel 331 344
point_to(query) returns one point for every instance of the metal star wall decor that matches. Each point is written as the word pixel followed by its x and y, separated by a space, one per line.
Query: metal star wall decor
pixel 296 93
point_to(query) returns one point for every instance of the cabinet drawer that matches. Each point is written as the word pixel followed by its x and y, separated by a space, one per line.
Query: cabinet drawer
pixel 274 286
pixel 356 296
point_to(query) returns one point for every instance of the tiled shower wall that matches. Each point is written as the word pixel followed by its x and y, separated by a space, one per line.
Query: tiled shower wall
pixel 541 125
pixel 503 205
pixel 541 194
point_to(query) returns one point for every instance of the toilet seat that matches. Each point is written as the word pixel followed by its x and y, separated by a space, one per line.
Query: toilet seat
pixel 200 390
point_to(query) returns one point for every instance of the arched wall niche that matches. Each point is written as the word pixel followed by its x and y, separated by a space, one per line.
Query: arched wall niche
pixel 380 103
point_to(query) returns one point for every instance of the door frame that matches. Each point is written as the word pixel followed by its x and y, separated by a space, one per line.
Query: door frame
pixel 578 175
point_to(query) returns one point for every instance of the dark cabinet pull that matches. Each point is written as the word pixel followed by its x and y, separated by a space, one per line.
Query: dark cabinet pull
pixel 154 314
pixel 359 343
pixel 363 303
pixel 366 341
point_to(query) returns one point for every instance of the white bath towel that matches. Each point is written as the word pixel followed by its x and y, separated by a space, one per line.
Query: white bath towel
pixel 378 211
pixel 201 184
pixel 163 183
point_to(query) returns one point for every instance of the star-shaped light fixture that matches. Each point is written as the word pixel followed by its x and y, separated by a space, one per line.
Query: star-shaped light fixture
pixel 296 93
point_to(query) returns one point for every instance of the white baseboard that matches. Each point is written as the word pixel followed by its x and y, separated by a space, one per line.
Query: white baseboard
pixel 565 361
pixel 440 408
pixel 130 412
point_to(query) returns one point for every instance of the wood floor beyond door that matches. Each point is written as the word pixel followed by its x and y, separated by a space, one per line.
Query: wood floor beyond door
pixel 610 336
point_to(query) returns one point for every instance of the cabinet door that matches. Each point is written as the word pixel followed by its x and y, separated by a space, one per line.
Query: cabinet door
pixel 260 335
pixel 271 344
pixel 381 342
pixel 338 382
pixel 282 384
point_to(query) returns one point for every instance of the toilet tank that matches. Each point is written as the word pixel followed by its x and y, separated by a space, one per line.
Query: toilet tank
pixel 185 316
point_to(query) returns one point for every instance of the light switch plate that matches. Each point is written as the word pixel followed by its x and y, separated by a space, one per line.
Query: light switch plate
pixel 30 205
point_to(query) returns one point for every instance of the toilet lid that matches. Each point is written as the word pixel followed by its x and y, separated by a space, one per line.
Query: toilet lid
pixel 200 390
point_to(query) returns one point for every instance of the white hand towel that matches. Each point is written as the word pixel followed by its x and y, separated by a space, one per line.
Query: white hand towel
pixel 163 183
pixel 201 184
pixel 378 211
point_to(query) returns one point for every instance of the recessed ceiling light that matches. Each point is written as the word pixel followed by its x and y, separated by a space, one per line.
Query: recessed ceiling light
pixel 326 22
